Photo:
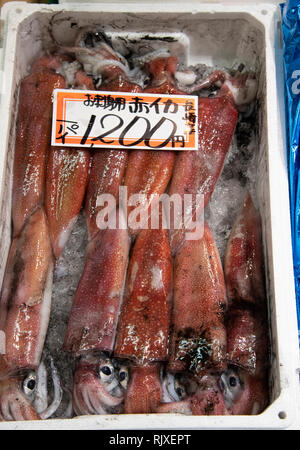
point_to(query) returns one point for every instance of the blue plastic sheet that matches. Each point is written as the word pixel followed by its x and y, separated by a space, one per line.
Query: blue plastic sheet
pixel 291 46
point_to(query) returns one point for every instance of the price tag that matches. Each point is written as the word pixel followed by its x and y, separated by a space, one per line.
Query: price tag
pixel 124 120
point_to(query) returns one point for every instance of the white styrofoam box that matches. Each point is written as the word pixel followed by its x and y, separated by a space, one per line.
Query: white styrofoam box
pixel 220 35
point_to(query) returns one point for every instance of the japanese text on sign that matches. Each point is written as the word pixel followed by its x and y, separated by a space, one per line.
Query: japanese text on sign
pixel 124 120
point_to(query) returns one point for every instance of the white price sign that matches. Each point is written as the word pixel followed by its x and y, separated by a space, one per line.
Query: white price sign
pixel 124 120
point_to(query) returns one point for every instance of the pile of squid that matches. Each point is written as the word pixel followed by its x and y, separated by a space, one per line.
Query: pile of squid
pixel 158 324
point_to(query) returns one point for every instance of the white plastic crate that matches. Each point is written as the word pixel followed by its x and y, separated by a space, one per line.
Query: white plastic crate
pixel 214 34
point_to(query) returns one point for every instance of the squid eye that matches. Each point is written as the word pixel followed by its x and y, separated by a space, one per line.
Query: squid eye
pixel 179 389
pixel 232 381
pixel 123 376
pixel 179 392
pixel 98 37
pixel 88 40
pixel 231 387
pixel 174 390
pixel 29 384
pixel 106 371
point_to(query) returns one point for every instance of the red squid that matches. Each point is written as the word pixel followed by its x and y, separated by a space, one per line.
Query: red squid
pixel 25 306
pixel 245 383
pixel 198 337
pixel 144 322
pixel 26 295
pixel 33 155
pixel 106 176
pixel 67 169
pixel 206 399
pixel 244 270
pixel 108 166
pixel 94 315
pixel 67 176
pixel 33 139
pixel 243 393
pixel 149 171
pixel 197 172
pixel 14 404
pixel 99 384
pixel 93 318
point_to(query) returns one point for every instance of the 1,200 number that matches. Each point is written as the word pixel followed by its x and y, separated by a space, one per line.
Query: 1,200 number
pixel 147 131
